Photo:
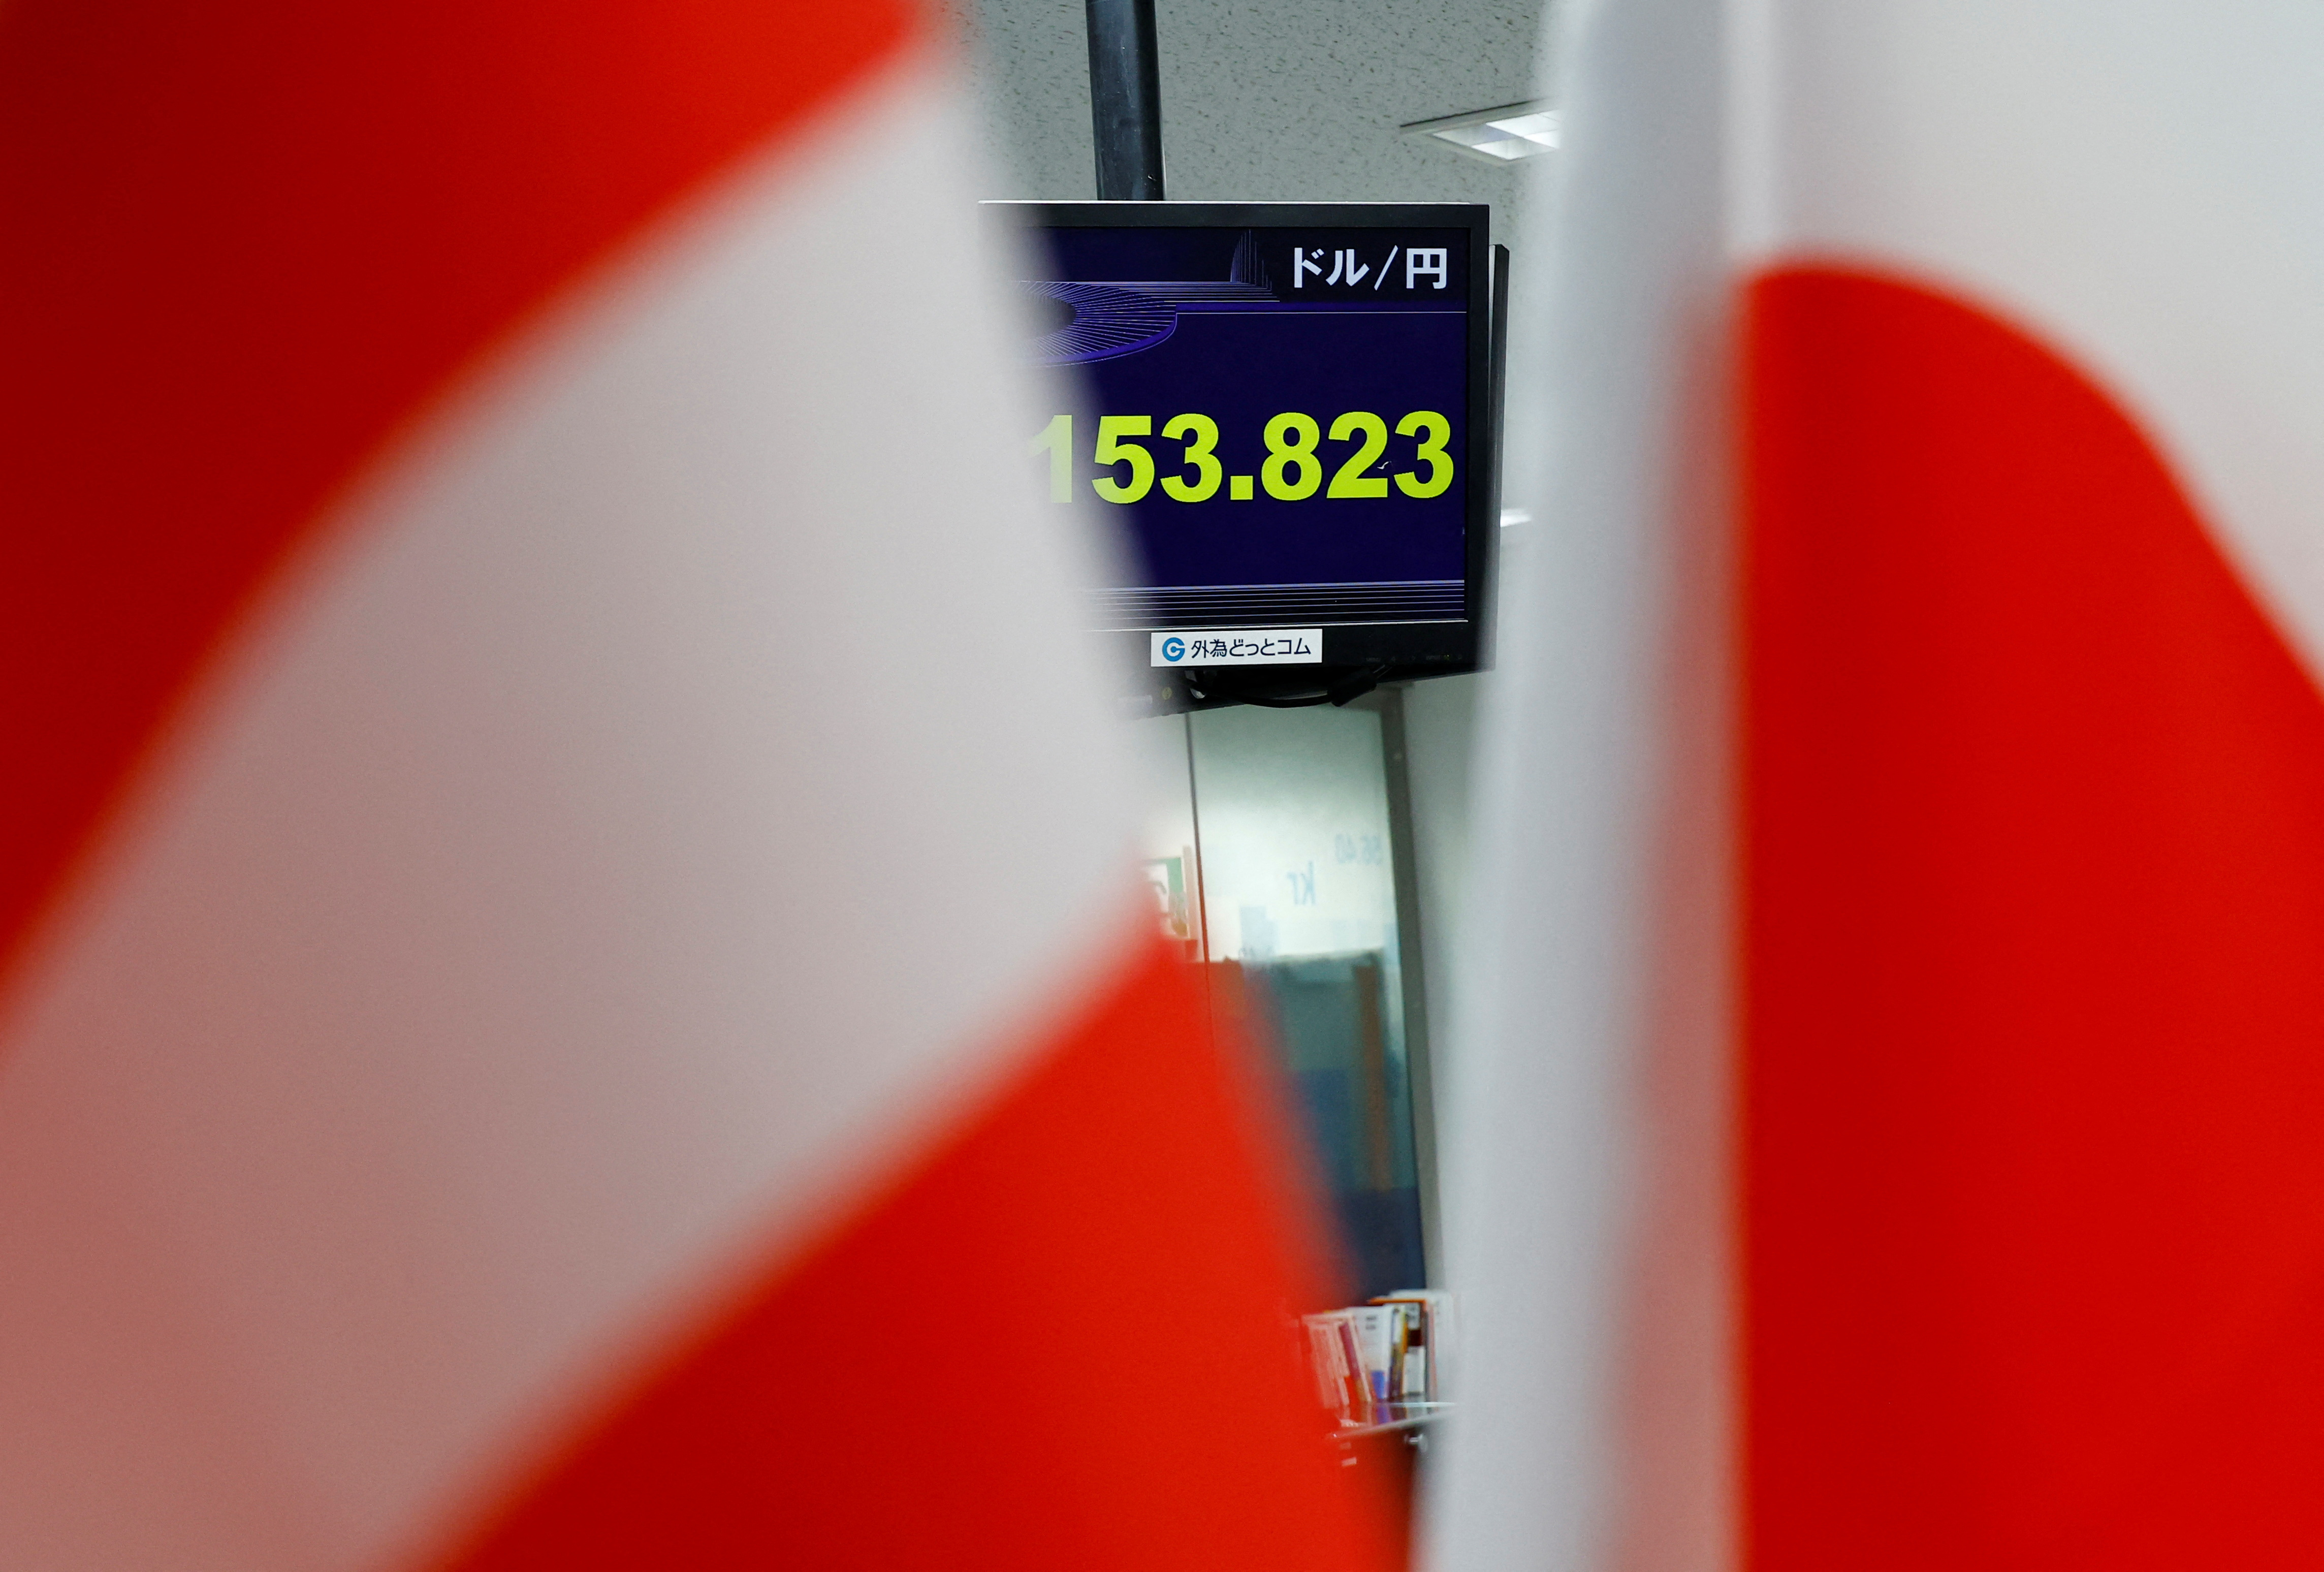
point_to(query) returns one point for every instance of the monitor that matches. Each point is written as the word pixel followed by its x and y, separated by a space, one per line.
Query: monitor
pixel 1290 408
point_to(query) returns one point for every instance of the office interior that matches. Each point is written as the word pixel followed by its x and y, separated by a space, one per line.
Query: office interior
pixel 1312 860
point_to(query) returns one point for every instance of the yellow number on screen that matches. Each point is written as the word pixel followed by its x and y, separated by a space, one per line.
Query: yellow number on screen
pixel 1351 480
pixel 1057 437
pixel 1300 455
pixel 1431 449
pixel 1111 452
pixel 1200 458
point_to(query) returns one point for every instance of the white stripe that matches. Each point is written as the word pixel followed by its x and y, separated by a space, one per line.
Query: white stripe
pixel 1585 1191
pixel 613 845
pixel 2140 181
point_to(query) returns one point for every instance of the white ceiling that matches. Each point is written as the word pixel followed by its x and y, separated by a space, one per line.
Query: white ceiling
pixel 1266 99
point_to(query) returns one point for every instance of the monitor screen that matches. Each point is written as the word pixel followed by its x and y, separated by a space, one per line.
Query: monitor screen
pixel 1286 405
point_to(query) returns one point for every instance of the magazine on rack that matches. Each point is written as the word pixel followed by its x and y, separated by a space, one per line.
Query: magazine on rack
pixel 1391 1351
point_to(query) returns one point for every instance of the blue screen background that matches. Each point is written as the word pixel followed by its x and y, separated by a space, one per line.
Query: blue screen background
pixel 1242 325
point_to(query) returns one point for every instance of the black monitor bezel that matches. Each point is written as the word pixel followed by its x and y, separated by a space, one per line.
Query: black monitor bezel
pixel 1378 651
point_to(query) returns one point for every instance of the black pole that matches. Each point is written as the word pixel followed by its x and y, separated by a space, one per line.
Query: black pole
pixel 1497 372
pixel 1125 100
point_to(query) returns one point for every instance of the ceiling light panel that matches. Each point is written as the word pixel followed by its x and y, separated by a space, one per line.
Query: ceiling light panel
pixel 1502 136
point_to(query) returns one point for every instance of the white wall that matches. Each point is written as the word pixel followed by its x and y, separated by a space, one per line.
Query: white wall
pixel 1440 722
pixel 1294 809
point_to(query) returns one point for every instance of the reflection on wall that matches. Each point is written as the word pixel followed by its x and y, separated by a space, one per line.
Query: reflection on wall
pixel 1292 827
pixel 1293 837
pixel 1166 833
pixel 1329 1017
pixel 1169 889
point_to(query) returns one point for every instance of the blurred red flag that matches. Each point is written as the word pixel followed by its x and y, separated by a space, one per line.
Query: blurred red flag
pixel 1901 1140
pixel 561 1007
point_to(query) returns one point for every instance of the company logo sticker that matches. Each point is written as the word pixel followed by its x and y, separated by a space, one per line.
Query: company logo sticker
pixel 1240 647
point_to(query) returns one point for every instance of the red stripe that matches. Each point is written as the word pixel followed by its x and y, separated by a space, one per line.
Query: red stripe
pixel 1059 1345
pixel 240 242
pixel 2034 1078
